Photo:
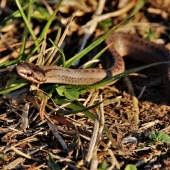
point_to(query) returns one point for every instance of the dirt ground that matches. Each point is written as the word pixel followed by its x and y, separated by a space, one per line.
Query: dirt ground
pixel 129 120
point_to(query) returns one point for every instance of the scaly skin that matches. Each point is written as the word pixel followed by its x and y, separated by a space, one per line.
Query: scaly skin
pixel 122 45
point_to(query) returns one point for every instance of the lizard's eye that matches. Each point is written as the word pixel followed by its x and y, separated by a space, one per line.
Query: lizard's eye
pixel 29 74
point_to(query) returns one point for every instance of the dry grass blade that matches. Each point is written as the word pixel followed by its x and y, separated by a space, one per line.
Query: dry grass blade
pixel 91 27
pixel 53 52
pixel 56 134
pixel 91 150
pixel 23 154
pixel 25 116
pixel 109 15
pixel 14 163
pixel 74 140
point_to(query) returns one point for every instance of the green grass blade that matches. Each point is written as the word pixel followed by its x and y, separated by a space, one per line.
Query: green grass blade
pixel 97 56
pixel 118 76
pixel 79 106
pixel 77 111
pixel 15 13
pixel 19 85
pixel 14 21
pixel 139 5
pixel 42 10
pixel 50 20
pixel 62 53
pixel 7 63
pixel 109 80
pixel 40 16
pixel 26 21
pixel 75 107
pixel 53 164
pixel 93 45
pixel 25 34
pixel 33 51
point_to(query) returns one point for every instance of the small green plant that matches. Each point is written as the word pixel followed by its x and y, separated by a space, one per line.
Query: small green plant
pixel 130 167
pixel 105 25
pixel 1 156
pixel 159 137
pixel 70 93
pixel 149 34
pixel 103 166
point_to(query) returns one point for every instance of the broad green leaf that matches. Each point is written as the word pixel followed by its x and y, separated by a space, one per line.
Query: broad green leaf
pixel 103 166
pixel 164 136
pixel 152 135
pixel 166 141
pixel 60 90
pixel 158 134
pixel 130 167
pixel 71 94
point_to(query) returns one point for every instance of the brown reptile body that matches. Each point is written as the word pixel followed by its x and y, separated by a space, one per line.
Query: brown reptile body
pixel 122 45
